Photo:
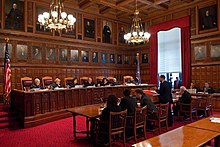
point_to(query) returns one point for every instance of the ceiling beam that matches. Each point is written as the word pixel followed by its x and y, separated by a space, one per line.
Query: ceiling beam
pixel 104 10
pixel 154 4
pixel 85 4
pixel 124 2
pixel 112 5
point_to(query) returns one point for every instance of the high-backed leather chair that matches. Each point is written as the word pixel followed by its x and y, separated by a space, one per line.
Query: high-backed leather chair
pixel 26 83
pixel 46 81
pixel 68 80
pixel 127 78
pixel 110 79
pixel 99 78
pixel 83 79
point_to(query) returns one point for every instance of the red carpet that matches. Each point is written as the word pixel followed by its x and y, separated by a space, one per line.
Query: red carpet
pixel 58 133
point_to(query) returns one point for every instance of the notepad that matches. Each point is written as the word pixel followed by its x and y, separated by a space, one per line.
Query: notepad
pixel 215 120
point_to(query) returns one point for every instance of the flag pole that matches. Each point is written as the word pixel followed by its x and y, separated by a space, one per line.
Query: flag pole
pixel 5 95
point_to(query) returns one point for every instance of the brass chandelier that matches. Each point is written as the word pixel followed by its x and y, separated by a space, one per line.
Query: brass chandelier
pixel 56 19
pixel 137 33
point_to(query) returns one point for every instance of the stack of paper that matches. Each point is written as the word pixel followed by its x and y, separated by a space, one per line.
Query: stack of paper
pixel 215 120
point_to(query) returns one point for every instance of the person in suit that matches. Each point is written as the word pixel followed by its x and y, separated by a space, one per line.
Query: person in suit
pixel 119 59
pixel 74 56
pixel 177 83
pixel 22 52
pixel 126 60
pixel 95 57
pixel 36 84
pixel 114 82
pixel 144 58
pixel 112 106
pixel 63 57
pixel 184 99
pixel 74 83
pixel 85 57
pixel 56 84
pixel 128 103
pixel 89 83
pixel 14 19
pixel 165 96
pixel 145 100
pixel 207 88
pixel 121 35
pixel 104 82
pixel 106 33
pixel 103 58
pixel 89 29
pixel 36 54
pixel 112 58
pixel 51 54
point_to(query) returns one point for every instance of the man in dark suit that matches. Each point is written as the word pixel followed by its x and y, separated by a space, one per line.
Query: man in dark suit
pixel 51 54
pixel 95 57
pixel 89 83
pixel 63 56
pixel 36 53
pixel 208 88
pixel 85 56
pixel 177 83
pixel 128 103
pixel 165 96
pixel 184 99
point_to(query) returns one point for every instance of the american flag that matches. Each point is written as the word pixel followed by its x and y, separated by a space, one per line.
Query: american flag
pixel 7 75
pixel 138 74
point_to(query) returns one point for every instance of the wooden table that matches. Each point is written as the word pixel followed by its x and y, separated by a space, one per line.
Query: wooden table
pixel 180 137
pixel 37 107
pixel 206 124
pixel 91 112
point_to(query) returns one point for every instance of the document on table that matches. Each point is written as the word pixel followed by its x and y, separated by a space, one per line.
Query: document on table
pixel 215 120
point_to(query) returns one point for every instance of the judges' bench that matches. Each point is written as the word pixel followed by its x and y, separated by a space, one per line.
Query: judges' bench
pixel 38 107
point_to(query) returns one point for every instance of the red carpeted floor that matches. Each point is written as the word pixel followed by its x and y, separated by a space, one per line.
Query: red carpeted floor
pixel 58 133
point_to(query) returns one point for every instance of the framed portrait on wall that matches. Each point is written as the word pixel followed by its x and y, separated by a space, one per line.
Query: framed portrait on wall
pixel 126 61
pixel 103 58
pixel 106 31
pixel 74 55
pixel 2 50
pixel 21 51
pixel 122 32
pixel 208 18
pixel 200 52
pixel 85 56
pixel 95 57
pixel 144 58
pixel 112 58
pixel 50 54
pixel 215 51
pixel 36 53
pixel 14 14
pixel 119 59
pixel 62 54
pixel 89 28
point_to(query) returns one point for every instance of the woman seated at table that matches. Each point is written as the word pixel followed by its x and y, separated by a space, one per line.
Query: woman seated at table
pixel 75 82
pixel 56 84
pixel 104 82
pixel 112 106
pixel 184 99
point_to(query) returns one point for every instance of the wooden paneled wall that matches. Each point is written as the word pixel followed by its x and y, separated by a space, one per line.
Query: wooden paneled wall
pixel 207 69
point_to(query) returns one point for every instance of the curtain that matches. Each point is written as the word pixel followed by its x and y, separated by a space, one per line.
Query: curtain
pixel 184 24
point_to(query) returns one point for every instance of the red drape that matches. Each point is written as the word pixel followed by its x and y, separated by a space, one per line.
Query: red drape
pixel 184 24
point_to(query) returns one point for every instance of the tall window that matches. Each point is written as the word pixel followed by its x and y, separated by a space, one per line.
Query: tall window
pixel 169 53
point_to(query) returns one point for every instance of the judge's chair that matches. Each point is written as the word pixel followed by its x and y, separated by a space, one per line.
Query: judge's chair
pixel 83 80
pixel 68 80
pixel 99 79
pixel 46 81
pixel 110 79
pixel 127 78
pixel 26 83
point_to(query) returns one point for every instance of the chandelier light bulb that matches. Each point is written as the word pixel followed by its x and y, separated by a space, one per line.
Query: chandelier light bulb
pixel 63 15
pixel 46 15
pixel 134 34
pixel 70 17
pixel 141 33
pixel 54 13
